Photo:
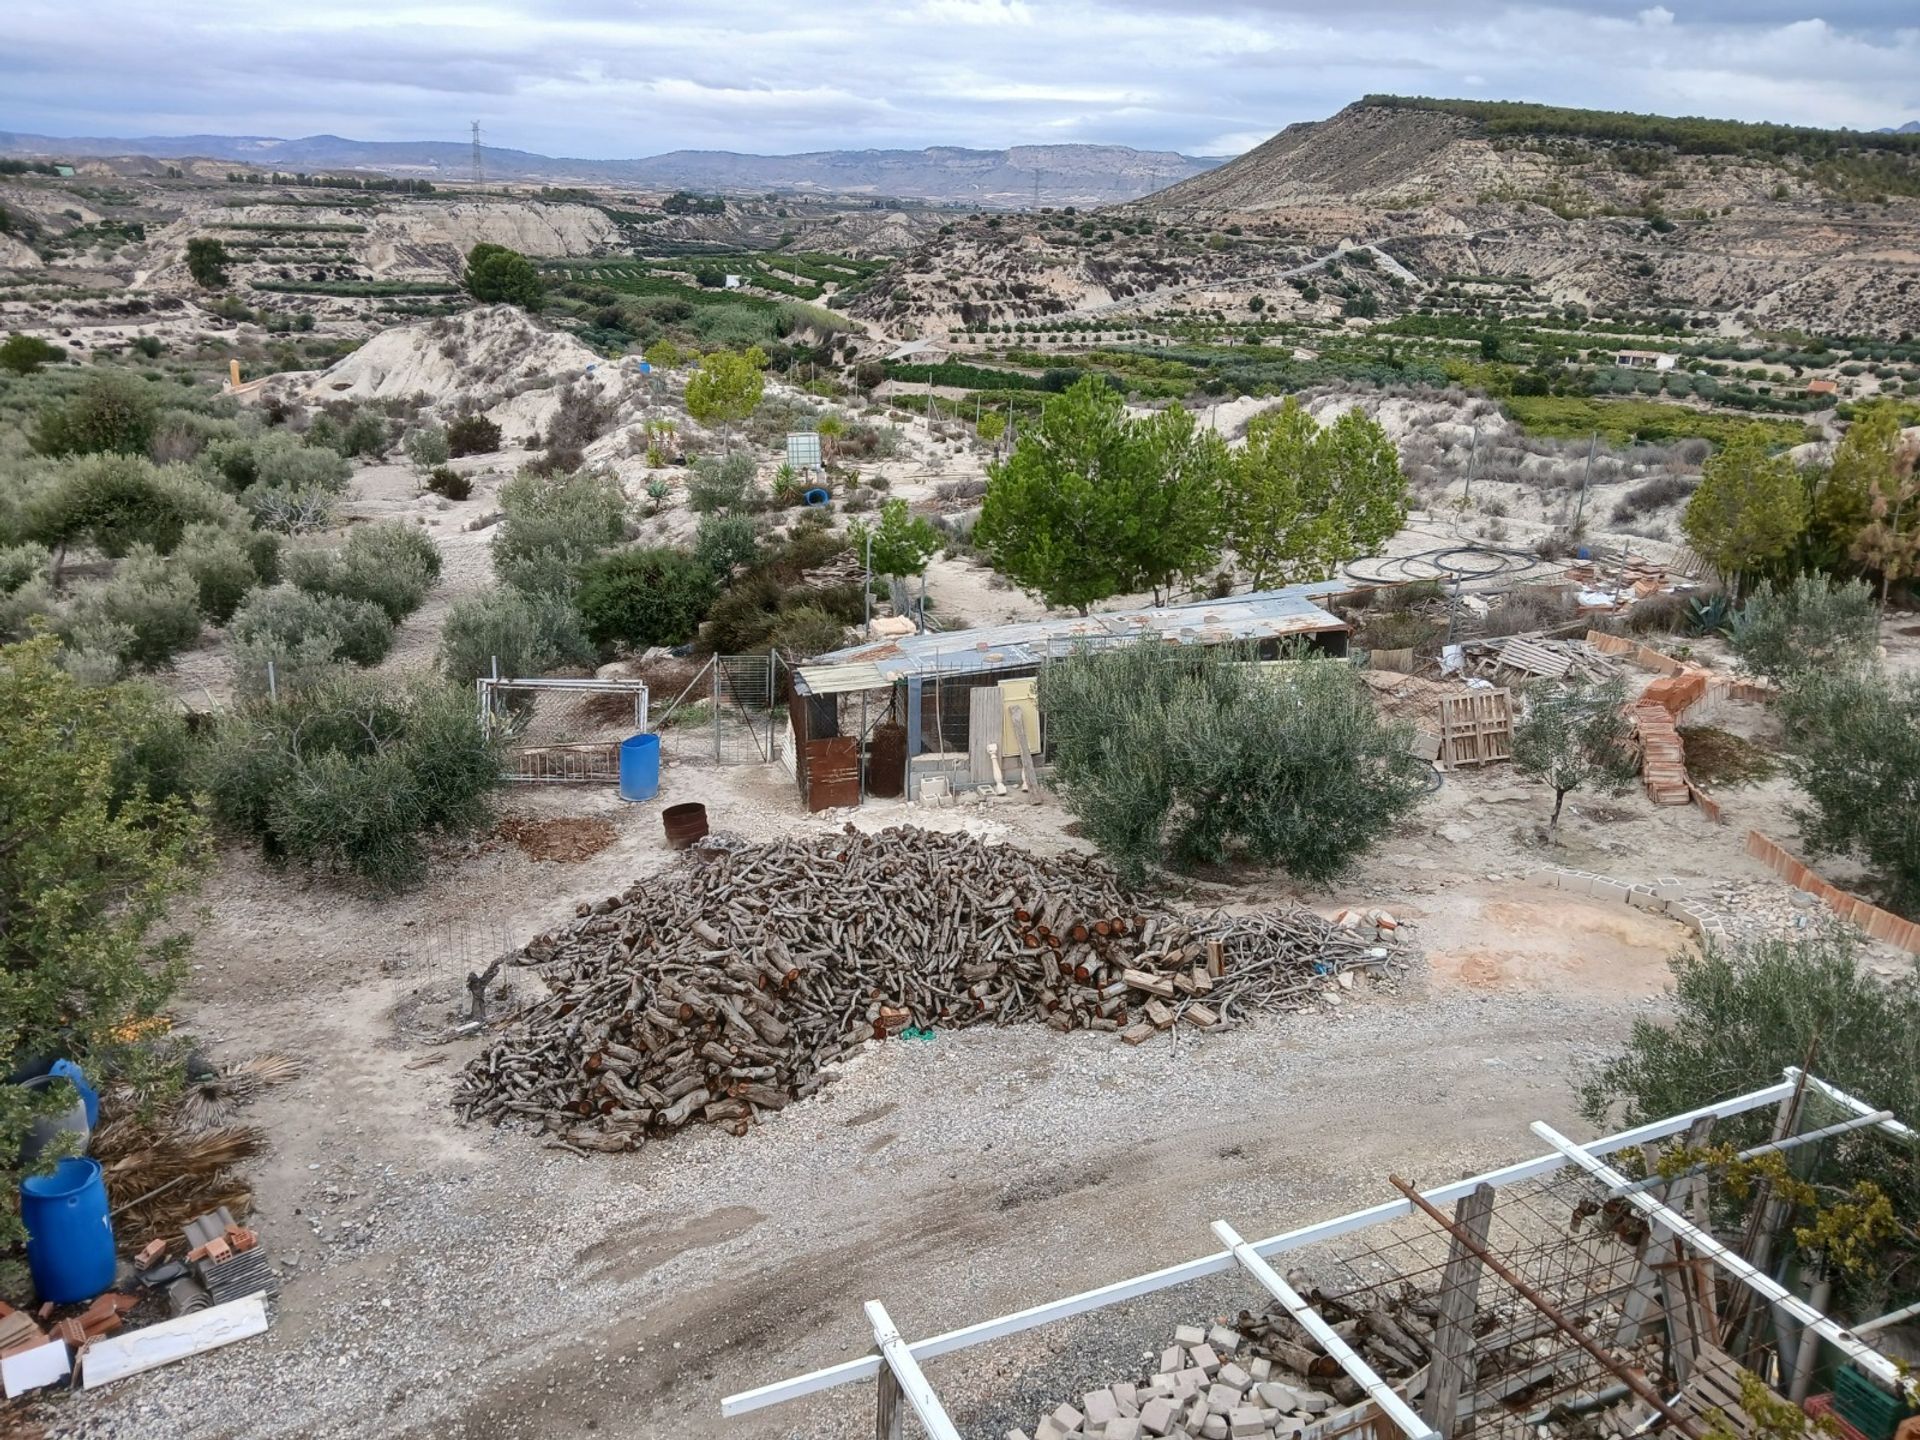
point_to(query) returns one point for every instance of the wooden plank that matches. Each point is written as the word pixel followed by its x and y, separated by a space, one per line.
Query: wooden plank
pixel 983 729
pixel 118 1356
pixel 1450 1376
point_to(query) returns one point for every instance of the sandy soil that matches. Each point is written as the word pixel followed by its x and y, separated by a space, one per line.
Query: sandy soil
pixel 443 1279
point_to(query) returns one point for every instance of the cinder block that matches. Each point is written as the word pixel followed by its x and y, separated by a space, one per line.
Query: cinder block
pixel 1067 1418
pixel 1204 1358
pixel 1279 1397
pixel 1223 1339
pixel 1214 1427
pixel 1126 1427
pixel 1100 1406
pixel 1645 900
pixel 1232 1374
pixel 1172 1359
pixel 1189 1335
pixel 1156 1416
pixel 1245 1425
pixel 1602 889
pixel 1260 1367
pixel 1126 1397
pixel 1222 1398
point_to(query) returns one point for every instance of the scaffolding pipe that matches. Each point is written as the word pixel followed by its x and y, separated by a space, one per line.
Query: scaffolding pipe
pixel 1364 1375
pixel 1625 1374
pixel 1763 1285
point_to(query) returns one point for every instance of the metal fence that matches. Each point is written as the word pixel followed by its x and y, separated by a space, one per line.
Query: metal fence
pixel 732 712
pixel 562 732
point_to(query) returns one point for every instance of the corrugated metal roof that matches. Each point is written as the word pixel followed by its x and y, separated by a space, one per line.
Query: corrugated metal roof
pixel 825 679
pixel 1263 615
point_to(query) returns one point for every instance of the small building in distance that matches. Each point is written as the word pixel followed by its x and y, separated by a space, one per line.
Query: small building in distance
pixel 1643 360
pixel 1822 387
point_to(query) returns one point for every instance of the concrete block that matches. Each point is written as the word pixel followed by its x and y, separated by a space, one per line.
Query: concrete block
pixel 1214 1427
pixel 1100 1406
pixel 1126 1397
pixel 1232 1374
pixel 1279 1397
pixel 1223 1339
pixel 1067 1418
pixel 1204 1358
pixel 1246 1425
pixel 1314 1402
pixel 1643 899
pixel 1016 1435
pixel 1162 1385
pixel 1197 1412
pixel 1171 1359
pixel 1222 1398
pixel 1048 1429
pixel 1156 1416
pixel 1190 1335
pixel 1126 1427
pixel 1602 889
pixel 1260 1367
pixel 1188 1383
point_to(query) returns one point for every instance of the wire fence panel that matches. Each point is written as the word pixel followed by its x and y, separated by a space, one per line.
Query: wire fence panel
pixel 563 732
pixel 749 721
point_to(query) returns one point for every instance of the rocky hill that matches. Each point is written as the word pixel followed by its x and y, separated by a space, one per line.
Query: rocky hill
pixel 1749 226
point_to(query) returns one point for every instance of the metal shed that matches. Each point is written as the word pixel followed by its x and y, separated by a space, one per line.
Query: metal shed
pixel 926 684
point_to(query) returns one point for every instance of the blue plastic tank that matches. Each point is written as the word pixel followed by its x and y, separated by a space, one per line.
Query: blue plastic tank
pixel 640 767
pixel 69 1236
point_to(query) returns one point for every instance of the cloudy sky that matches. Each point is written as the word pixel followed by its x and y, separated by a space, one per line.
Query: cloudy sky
pixel 614 78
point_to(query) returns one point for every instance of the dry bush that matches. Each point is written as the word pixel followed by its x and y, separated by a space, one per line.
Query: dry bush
pixel 1540 607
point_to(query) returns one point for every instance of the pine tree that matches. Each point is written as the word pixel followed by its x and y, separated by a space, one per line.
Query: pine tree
pixel 1750 508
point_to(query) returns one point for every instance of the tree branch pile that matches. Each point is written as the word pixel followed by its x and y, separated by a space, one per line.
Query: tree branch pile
pixel 718 991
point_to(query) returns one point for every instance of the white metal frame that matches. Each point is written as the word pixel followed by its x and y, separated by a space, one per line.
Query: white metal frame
pixel 591 762
pixel 1364 1375
pixel 1762 1284
pixel 1243 1254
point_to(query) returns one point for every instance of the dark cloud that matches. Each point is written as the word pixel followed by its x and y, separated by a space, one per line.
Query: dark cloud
pixel 621 77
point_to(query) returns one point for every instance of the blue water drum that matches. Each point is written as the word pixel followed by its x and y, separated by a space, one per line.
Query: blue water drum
pixel 640 767
pixel 69 1237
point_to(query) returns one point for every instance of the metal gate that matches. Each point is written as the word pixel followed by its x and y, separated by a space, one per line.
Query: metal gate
pixel 733 710
pixel 562 732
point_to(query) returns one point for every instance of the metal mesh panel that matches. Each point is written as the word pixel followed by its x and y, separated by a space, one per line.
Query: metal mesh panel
pixel 563 731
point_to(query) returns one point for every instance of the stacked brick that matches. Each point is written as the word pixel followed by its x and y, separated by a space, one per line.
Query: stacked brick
pixel 1663 763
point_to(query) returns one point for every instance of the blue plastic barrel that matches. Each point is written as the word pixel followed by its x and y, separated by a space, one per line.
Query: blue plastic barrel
pixel 640 767
pixel 69 1237
pixel 816 496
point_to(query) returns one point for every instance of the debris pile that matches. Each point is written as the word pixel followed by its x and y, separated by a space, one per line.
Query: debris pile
pixel 1530 657
pixel 719 990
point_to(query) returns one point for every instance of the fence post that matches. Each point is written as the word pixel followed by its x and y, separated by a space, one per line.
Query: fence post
pixel 273 685
pixel 719 667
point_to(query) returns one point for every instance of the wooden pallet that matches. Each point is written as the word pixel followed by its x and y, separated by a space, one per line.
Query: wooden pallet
pixel 1476 728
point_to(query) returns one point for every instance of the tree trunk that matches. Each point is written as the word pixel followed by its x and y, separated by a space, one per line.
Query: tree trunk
pixel 1559 799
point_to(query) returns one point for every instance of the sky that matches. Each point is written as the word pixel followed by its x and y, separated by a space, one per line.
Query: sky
pixel 618 78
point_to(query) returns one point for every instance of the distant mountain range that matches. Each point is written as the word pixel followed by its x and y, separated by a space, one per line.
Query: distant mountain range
pixel 1912 127
pixel 1059 174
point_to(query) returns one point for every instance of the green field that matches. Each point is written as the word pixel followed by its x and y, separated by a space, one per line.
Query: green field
pixel 1621 422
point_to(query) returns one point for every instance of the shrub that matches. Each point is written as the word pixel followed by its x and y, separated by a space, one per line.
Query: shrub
pixel 427 447
pixel 1854 749
pixel 221 563
pixel 553 525
pixel 207 261
pixel 723 542
pixel 639 598
pixel 496 274
pixel 25 354
pixel 113 411
pixel 807 630
pixel 1811 623
pixel 472 435
pixel 114 502
pixel 582 417
pixel 351 431
pixel 156 601
pixel 393 565
pixel 449 483
pixel 89 873
pixel 353 775
pixel 1740 1014
pixel 720 483
pixel 306 629
pixel 1196 757
pixel 20 564
pixel 1654 494
pixel 528 634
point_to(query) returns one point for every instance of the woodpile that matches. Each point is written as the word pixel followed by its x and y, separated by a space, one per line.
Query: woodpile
pixel 718 991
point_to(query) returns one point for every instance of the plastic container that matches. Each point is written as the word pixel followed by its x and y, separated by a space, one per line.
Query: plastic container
pixel 1864 1405
pixel 817 496
pixel 73 1074
pixel 49 1128
pixel 69 1237
pixel 640 767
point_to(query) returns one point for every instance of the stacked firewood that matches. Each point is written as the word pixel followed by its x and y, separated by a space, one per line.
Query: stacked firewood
pixel 719 990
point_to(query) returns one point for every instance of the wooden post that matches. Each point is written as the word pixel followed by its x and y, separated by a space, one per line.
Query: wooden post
pixel 1452 1369
pixel 888 1414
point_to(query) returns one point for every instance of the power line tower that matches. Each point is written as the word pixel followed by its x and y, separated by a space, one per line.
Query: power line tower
pixel 479 166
